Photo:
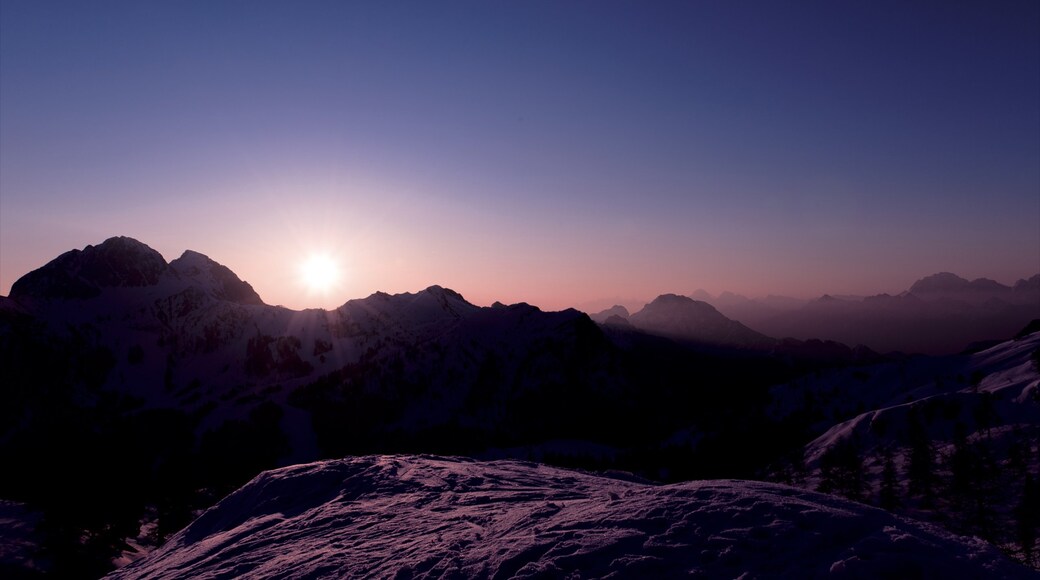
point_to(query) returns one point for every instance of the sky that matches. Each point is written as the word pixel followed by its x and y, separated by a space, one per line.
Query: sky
pixel 554 152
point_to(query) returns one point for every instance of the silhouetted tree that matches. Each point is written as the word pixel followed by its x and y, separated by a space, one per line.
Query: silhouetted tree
pixel 985 491
pixel 921 469
pixel 962 464
pixel 888 496
pixel 986 413
pixel 1016 461
pixel 841 470
pixel 976 380
pixel 799 471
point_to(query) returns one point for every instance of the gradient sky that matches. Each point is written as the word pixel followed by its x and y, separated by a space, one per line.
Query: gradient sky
pixel 559 153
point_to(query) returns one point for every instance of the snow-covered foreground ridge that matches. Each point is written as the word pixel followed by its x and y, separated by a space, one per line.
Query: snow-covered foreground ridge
pixel 423 516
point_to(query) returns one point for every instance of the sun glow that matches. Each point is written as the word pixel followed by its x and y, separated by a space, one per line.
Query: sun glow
pixel 319 273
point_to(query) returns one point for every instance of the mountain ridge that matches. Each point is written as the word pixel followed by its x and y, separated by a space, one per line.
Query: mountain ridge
pixel 938 314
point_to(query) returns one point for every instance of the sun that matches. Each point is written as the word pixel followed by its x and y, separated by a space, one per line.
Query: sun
pixel 319 273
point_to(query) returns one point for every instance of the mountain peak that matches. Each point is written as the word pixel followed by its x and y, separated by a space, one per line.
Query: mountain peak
pixel 664 299
pixel 215 278
pixel 689 319
pixel 441 291
pixel 615 311
pixel 702 295
pixel 78 274
pixel 1028 285
pixel 941 282
pixel 947 285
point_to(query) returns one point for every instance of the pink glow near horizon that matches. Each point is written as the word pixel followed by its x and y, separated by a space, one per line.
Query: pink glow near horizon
pixel 485 264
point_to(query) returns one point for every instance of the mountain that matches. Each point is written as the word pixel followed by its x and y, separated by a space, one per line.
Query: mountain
pixel 617 310
pixel 747 310
pixel 125 263
pixel 426 516
pixel 1028 287
pixel 699 325
pixel 702 295
pixel 681 317
pixel 947 285
pixel 939 314
pixel 222 282
pixel 117 263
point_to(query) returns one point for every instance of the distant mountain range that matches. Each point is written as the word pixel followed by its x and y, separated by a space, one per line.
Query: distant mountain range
pixel 159 387
pixel 939 314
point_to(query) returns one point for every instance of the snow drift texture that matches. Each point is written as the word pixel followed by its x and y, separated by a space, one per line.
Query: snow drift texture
pixel 417 517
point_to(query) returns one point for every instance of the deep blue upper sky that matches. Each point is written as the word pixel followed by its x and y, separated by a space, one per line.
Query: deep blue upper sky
pixel 554 152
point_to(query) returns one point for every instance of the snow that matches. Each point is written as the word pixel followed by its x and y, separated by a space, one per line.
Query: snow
pixel 19 542
pixel 423 516
pixel 1006 372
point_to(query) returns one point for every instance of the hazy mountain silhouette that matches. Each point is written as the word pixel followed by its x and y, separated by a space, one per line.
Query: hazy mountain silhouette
pixel 688 319
pixel 947 285
pixel 614 311
pixel 939 314
pixel 698 324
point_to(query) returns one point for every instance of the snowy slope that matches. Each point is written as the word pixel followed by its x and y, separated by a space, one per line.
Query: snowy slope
pixel 19 542
pixel 426 517
pixel 1004 375
pixel 953 440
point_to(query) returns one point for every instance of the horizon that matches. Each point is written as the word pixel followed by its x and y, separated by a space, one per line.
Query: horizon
pixel 535 152
pixel 589 307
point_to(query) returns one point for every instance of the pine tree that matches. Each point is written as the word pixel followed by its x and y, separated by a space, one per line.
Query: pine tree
pixel 985 491
pixel 962 465
pixel 841 470
pixel 799 471
pixel 921 470
pixel 986 413
pixel 1016 461
pixel 888 496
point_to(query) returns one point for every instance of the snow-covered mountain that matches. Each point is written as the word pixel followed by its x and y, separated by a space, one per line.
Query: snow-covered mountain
pixel 166 386
pixel 434 517
pixel 170 384
pixel 192 337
